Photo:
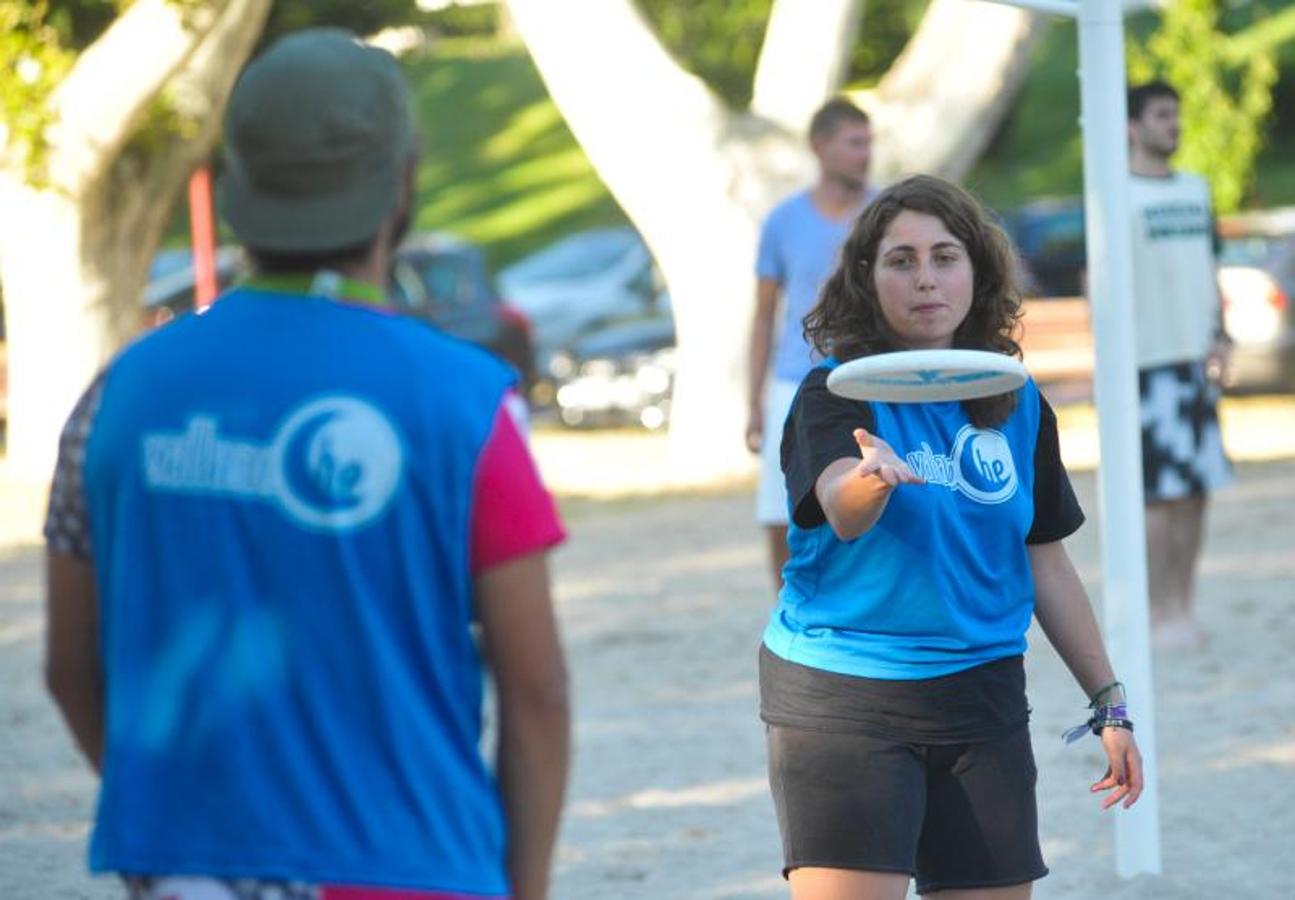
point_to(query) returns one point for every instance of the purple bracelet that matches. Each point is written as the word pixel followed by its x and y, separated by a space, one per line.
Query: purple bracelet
pixel 1108 715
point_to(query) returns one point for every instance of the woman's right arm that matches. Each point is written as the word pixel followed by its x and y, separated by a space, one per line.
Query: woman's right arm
pixel 853 492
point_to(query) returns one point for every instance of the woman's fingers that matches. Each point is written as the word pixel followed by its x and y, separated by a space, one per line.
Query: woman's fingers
pixel 876 456
pixel 1124 778
pixel 1135 776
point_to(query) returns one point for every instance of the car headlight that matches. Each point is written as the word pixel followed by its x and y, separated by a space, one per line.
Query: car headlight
pixel 598 368
pixel 561 365
pixel 653 379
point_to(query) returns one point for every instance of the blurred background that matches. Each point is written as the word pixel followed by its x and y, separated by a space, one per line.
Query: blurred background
pixel 582 268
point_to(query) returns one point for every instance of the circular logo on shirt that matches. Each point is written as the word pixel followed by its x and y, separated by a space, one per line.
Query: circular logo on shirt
pixel 338 463
pixel 983 466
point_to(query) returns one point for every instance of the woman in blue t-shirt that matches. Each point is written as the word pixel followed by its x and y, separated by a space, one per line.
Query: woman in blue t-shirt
pixel 923 537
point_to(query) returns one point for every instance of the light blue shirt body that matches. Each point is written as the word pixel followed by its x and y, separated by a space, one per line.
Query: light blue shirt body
pixel 798 249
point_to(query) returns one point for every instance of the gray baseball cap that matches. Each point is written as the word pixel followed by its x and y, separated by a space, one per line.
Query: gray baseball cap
pixel 317 134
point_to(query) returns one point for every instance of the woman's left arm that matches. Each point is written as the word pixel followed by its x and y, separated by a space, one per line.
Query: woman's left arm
pixel 1066 617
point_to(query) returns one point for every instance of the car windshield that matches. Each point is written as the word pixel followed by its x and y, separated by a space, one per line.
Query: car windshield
pixel 1249 250
pixel 438 282
pixel 579 256
pixel 169 261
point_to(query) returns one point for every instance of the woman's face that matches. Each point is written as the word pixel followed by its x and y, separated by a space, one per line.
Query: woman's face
pixel 924 281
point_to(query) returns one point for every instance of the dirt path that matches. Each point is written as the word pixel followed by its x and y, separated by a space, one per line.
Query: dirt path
pixel 662 603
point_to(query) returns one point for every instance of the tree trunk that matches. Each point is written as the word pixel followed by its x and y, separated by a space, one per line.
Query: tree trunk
pixel 696 178
pixel 75 256
pixel 942 101
pixel 791 81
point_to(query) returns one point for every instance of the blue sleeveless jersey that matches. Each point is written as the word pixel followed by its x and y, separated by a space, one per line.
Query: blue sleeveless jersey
pixel 280 493
pixel 942 582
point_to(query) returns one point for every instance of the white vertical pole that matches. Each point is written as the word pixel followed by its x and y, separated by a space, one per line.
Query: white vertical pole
pixel 1110 281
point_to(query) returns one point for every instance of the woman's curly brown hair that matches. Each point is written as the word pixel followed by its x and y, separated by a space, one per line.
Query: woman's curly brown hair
pixel 847 322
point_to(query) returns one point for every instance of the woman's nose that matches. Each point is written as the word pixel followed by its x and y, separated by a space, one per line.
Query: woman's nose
pixel 925 274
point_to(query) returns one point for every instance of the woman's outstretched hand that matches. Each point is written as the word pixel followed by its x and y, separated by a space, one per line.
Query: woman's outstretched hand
pixel 1124 773
pixel 877 458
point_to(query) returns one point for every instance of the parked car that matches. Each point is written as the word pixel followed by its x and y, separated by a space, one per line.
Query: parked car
pixel 1049 236
pixel 584 279
pixel 1257 279
pixel 443 280
pixel 171 279
pixel 619 371
pixel 440 279
pixel 1256 255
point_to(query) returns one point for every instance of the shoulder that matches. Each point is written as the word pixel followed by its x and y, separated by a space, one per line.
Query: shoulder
pixel 788 210
pixel 815 380
pixel 1195 183
pixel 447 352
pixel 815 401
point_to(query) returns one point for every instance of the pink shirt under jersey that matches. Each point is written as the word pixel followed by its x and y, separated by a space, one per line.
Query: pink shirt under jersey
pixel 512 512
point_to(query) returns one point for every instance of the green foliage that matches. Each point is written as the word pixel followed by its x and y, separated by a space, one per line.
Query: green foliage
pixel 1226 93
pixel 887 26
pixel 510 174
pixel 719 40
pixel 361 17
pixel 1038 151
pixel 477 20
pixel 33 61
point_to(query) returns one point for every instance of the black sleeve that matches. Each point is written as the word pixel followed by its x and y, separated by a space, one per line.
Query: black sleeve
pixel 1056 510
pixel 819 431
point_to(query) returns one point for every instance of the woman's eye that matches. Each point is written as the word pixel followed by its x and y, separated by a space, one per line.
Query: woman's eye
pixel 900 262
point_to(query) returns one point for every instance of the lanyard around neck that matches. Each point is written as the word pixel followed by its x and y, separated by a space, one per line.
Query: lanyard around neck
pixel 323 283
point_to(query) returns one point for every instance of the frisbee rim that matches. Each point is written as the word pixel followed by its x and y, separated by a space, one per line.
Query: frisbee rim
pixel 1000 373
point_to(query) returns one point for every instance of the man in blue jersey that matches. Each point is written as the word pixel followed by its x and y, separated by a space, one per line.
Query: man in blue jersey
pixel 799 242
pixel 273 531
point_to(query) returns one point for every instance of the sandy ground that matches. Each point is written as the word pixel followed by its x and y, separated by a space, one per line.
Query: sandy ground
pixel 662 602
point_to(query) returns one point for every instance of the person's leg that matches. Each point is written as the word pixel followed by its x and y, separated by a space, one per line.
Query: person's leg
pixel 1182 461
pixel 1174 538
pixel 778 552
pixel 771 492
pixel 846 884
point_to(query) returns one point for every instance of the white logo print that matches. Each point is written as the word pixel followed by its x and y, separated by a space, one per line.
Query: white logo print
pixel 334 464
pixel 980 466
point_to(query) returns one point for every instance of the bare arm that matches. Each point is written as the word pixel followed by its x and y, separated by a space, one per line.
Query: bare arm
pixel 73 672
pixel 521 643
pixel 1062 608
pixel 762 328
pixel 853 492
pixel 1066 617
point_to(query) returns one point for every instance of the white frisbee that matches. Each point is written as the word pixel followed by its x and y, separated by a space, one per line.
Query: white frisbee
pixel 927 376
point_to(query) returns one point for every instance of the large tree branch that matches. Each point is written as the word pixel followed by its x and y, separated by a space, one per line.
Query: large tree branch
pixel 804 58
pixel 102 101
pixel 940 104
pixel 142 188
pixel 628 103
